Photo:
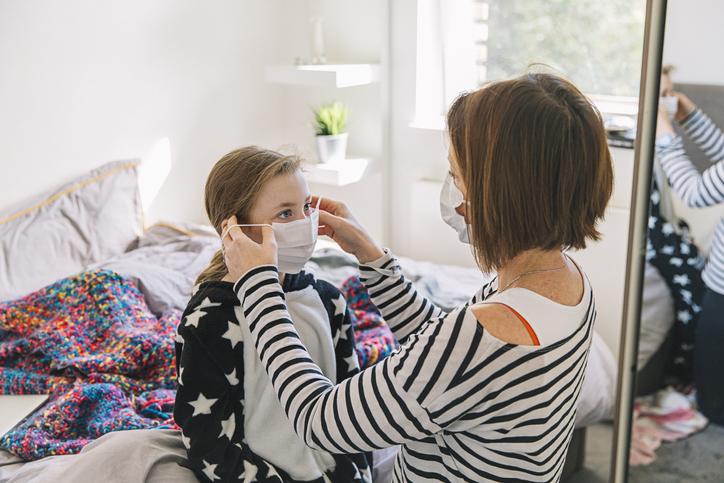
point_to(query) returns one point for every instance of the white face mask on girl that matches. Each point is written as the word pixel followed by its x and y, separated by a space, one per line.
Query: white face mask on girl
pixel 670 105
pixel 450 198
pixel 295 241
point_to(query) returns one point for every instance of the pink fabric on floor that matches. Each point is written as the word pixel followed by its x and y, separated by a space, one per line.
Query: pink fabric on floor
pixel 666 415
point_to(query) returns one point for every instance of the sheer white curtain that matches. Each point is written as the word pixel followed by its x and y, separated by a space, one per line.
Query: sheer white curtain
pixel 446 56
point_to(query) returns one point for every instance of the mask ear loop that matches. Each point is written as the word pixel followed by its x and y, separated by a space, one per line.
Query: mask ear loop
pixel 316 208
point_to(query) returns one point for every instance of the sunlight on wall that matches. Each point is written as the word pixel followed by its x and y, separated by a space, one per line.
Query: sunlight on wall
pixel 153 171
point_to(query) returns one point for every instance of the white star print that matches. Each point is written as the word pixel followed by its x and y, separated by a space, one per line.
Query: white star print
pixel 682 280
pixel 667 250
pixel 676 261
pixel 178 338
pixel 652 222
pixel 186 441
pixel 339 305
pixel 233 334
pixel 352 362
pixel 655 197
pixel 343 331
pixel 684 248
pixel 679 360
pixel 233 380
pixel 228 426
pixel 686 295
pixel 209 471
pixel 695 308
pixel 206 303
pixel 249 472
pixel 180 375
pixel 667 229
pixel 202 405
pixel 193 318
pixel 684 316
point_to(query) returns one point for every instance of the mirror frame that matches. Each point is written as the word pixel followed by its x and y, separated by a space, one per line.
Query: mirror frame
pixel 638 232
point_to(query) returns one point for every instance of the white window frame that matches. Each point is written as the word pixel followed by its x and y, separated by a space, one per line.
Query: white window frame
pixel 444 70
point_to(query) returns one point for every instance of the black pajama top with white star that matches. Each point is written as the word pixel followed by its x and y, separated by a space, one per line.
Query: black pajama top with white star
pixel 210 402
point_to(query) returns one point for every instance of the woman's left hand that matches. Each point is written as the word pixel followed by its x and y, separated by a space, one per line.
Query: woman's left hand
pixel 242 253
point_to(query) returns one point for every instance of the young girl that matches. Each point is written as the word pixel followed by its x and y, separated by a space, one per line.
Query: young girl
pixel 234 427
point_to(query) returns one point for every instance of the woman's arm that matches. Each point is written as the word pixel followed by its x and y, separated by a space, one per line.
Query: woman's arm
pixel 387 404
pixel 696 189
pixel 402 307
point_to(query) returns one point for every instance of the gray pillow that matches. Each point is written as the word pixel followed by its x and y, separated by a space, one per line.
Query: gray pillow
pixel 58 233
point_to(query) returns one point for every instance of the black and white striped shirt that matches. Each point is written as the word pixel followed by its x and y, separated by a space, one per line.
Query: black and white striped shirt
pixel 463 404
pixel 700 189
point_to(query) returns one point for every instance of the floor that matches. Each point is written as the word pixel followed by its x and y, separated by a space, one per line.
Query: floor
pixel 698 458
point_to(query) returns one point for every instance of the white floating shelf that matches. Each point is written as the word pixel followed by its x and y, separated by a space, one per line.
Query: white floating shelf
pixel 337 173
pixel 327 75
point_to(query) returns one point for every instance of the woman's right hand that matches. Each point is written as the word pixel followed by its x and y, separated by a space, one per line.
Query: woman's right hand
pixel 338 223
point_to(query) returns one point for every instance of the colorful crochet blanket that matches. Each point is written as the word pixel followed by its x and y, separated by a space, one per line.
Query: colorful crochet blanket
pixel 373 336
pixel 107 362
pixel 91 343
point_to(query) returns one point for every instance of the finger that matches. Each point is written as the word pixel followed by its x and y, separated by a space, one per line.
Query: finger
pixel 330 206
pixel 267 235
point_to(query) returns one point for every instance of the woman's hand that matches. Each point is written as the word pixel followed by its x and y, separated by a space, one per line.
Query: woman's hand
pixel 663 125
pixel 241 253
pixel 336 222
pixel 686 107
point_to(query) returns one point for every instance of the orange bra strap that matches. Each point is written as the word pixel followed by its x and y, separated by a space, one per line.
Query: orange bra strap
pixel 530 330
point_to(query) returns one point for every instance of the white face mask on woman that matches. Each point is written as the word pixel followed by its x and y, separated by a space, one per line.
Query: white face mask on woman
pixel 295 241
pixel 670 105
pixel 450 198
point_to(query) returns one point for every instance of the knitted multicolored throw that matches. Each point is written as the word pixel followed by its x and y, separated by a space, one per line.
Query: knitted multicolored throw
pixel 92 344
pixel 374 338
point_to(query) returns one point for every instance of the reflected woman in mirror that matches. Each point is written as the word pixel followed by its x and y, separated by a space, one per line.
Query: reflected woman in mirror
pixel 699 190
pixel 487 392
pixel 671 251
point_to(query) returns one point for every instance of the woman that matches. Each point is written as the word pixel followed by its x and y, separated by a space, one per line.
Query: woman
pixel 487 392
pixel 699 190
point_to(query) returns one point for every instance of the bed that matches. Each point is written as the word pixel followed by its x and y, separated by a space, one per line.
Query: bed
pixel 111 376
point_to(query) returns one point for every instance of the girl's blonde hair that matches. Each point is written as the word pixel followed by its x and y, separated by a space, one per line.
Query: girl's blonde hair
pixel 233 187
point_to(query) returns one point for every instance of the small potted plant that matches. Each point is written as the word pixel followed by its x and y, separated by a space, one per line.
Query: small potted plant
pixel 330 124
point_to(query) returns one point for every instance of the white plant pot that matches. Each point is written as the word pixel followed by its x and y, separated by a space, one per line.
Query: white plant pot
pixel 332 148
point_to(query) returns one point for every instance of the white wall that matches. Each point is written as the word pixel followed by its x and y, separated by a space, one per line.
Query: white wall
pixel 692 37
pixel 89 82
pixel 85 82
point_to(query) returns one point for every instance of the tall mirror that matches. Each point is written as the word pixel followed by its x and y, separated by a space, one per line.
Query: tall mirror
pixel 670 414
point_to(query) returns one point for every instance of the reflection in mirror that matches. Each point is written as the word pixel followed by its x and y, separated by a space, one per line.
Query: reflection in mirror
pixel 678 412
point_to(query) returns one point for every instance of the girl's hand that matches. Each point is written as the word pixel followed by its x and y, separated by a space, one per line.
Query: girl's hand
pixel 336 222
pixel 242 253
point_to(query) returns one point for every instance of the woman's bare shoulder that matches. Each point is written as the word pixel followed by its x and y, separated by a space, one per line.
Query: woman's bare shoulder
pixel 502 323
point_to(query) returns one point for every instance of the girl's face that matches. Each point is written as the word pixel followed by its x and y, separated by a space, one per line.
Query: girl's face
pixel 284 199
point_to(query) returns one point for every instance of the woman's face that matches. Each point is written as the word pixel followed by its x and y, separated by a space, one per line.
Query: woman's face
pixel 284 199
pixel 457 179
pixel 667 87
pixel 454 171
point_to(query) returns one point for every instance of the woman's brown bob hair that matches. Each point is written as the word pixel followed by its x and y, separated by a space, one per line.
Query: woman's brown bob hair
pixel 233 187
pixel 535 164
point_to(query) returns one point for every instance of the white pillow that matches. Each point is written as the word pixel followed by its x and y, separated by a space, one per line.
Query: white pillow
pixel 59 233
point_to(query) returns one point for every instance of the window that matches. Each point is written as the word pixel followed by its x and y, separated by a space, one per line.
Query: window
pixel 597 44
